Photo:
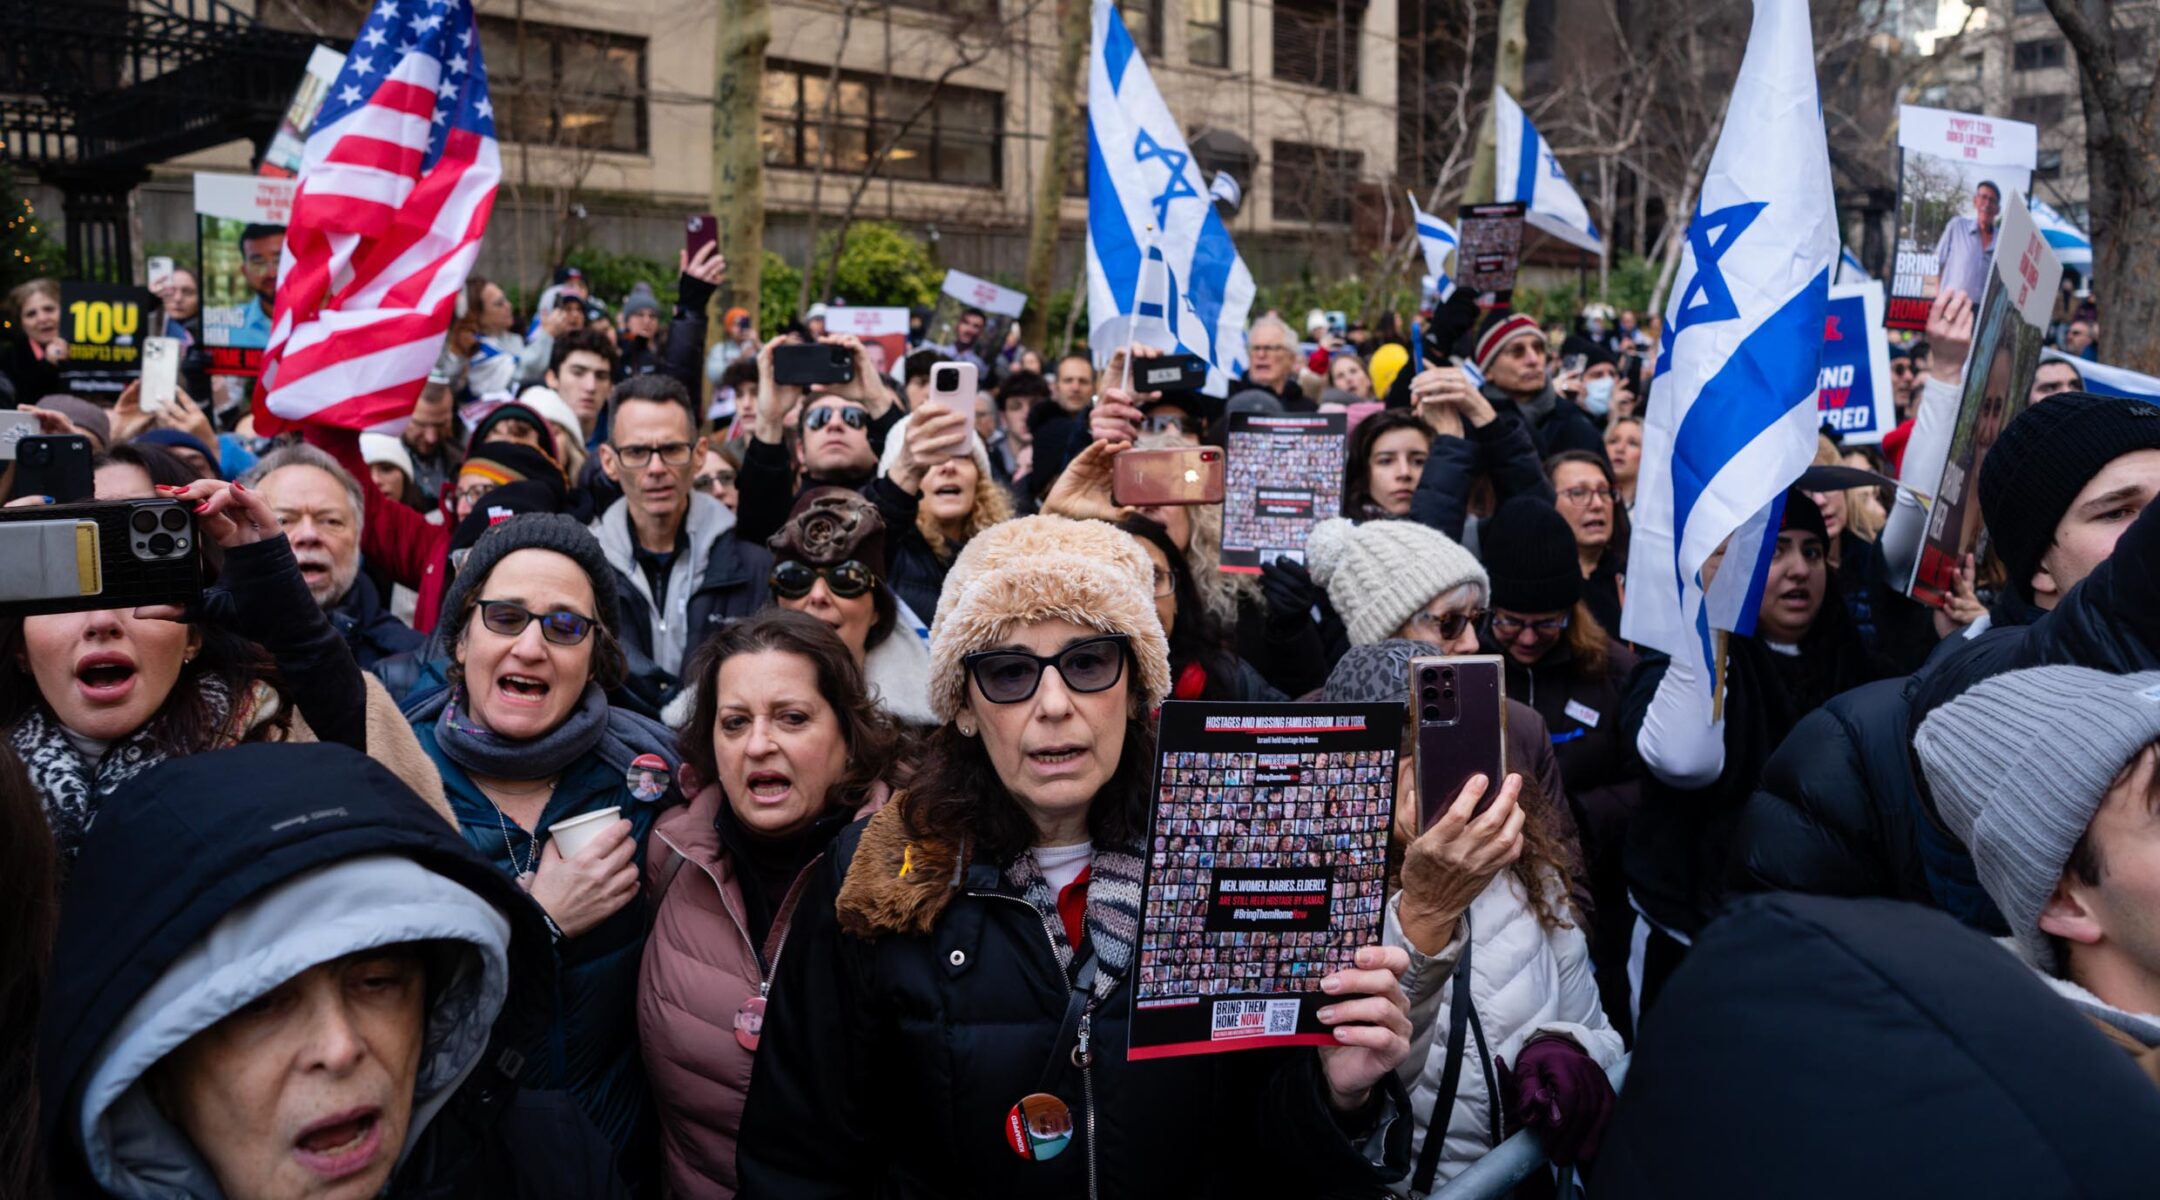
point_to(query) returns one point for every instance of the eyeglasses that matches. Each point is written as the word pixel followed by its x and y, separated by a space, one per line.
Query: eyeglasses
pixel 1010 676
pixel 1583 493
pixel 718 479
pixel 1165 585
pixel 794 579
pixel 1448 625
pixel 509 618
pixel 1270 349
pixel 1509 627
pixel 472 494
pixel 673 454
pixel 1164 423
pixel 819 418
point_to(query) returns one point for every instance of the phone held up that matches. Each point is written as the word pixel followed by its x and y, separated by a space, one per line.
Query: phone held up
pixel 103 554
pixel 1173 475
pixel 1170 373
pixel 812 364
pixel 1459 703
pixel 699 232
pixel 56 465
pixel 953 385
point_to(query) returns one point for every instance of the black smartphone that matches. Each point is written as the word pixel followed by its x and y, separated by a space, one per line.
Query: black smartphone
pixel 1171 373
pixel 812 364
pixel 103 554
pixel 1460 705
pixel 56 465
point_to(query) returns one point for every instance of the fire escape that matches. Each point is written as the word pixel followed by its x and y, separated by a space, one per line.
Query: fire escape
pixel 92 92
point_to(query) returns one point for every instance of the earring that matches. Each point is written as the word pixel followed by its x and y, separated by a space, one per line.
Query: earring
pixel 966 728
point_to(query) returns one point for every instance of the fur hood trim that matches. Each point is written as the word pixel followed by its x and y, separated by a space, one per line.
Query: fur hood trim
pixel 895 883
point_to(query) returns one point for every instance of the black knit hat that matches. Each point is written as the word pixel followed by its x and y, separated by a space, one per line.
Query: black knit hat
pixel 1803 515
pixel 2042 460
pixel 1530 554
pixel 533 531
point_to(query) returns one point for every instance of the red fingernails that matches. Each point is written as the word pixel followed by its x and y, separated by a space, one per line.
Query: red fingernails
pixel 166 487
pixel 239 487
pixel 202 508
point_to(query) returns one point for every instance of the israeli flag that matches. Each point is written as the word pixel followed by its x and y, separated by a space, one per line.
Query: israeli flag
pixel 1849 268
pixel 1161 269
pixel 1525 169
pixel 2067 241
pixel 2103 380
pixel 1437 239
pixel 1732 414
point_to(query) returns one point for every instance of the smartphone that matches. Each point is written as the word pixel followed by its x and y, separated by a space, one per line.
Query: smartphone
pixel 104 554
pixel 699 232
pixel 56 465
pixel 1460 705
pixel 160 269
pixel 1490 248
pixel 1171 373
pixel 160 372
pixel 14 427
pixel 953 386
pixel 1574 364
pixel 1174 475
pixel 813 363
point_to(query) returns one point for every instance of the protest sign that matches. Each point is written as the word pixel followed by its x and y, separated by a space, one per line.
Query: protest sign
pixel 104 325
pixel 2007 331
pixel 1284 475
pixel 282 159
pixel 1955 173
pixel 1266 870
pixel 239 234
pixel 1491 247
pixel 1854 391
pixel 972 316
pixel 882 331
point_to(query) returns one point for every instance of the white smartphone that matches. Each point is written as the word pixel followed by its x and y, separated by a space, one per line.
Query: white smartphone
pixel 14 427
pixel 952 385
pixel 160 268
pixel 160 372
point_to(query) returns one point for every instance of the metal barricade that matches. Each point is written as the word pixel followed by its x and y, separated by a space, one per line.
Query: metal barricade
pixel 1510 1162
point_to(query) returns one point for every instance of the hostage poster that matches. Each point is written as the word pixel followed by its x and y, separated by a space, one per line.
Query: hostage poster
pixel 2007 330
pixel 1266 870
pixel 1853 389
pixel 1955 173
pixel 972 317
pixel 882 331
pixel 1283 476
pixel 240 232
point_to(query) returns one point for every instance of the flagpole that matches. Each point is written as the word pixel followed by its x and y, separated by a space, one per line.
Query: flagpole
pixel 1139 296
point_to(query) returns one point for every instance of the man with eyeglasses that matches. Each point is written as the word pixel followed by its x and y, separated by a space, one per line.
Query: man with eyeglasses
pixel 1272 348
pixel 840 430
pixel 681 569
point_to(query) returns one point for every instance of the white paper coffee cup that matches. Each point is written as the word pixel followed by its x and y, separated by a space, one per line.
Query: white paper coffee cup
pixel 575 834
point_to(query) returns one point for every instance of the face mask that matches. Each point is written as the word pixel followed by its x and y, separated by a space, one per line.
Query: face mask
pixel 1596 326
pixel 1597 396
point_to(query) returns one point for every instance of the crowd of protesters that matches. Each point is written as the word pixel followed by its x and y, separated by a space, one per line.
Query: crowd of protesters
pixel 849 700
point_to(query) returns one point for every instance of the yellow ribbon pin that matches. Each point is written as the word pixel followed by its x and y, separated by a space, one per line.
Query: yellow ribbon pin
pixel 907 859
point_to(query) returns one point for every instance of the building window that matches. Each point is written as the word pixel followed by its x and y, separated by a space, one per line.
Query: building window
pixel 952 8
pixel 1311 184
pixel 1207 32
pixel 1316 45
pixel 957 135
pixel 2037 55
pixel 2039 110
pixel 2047 164
pixel 570 87
pixel 1143 19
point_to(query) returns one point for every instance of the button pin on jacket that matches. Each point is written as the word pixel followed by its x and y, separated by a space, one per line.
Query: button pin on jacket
pixel 1039 1127
pixel 750 1023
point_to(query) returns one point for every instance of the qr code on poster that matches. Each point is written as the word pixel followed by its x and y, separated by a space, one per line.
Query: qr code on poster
pixel 1235 1019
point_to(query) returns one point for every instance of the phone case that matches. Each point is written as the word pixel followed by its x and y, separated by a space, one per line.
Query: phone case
pixel 1169 476
pixel 1176 373
pixel 699 232
pixel 136 569
pixel 54 465
pixel 802 366
pixel 1460 705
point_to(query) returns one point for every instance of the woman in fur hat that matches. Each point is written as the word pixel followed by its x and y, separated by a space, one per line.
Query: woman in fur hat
pixel 952 1009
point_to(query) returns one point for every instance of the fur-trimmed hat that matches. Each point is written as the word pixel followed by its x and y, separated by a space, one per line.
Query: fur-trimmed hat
pixel 1038 568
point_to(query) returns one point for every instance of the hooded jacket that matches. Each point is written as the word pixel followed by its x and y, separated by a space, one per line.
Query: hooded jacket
pixel 716 578
pixel 196 895
pixel 1812 1047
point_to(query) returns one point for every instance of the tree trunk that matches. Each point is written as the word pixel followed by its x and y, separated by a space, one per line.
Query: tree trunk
pixel 1073 18
pixel 2122 168
pixel 1507 73
pixel 738 156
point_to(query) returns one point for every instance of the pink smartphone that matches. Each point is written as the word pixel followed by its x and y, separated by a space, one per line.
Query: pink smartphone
pixel 952 385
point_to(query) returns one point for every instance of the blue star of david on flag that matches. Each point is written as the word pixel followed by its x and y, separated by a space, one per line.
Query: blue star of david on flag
pixel 1174 160
pixel 1707 296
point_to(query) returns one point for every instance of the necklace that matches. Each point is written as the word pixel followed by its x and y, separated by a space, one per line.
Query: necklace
pixel 527 864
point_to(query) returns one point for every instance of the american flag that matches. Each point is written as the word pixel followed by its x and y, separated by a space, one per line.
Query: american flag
pixel 395 189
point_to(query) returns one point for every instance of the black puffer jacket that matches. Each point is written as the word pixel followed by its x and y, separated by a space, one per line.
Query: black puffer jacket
pixel 1501 449
pixel 888 1066
pixel 1919 1059
pixel 181 847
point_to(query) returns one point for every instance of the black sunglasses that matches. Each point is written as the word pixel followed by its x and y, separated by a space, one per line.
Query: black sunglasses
pixel 1010 676
pixel 793 579
pixel 819 418
pixel 562 627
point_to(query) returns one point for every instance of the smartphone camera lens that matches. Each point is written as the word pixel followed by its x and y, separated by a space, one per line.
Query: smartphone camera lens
pixel 1430 674
pixel 174 520
pixel 1447 693
pixel 1432 712
pixel 1432 693
pixel 161 544
pixel 40 454
pixel 144 521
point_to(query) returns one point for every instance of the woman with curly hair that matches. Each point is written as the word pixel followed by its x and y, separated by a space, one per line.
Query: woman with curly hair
pixel 933 506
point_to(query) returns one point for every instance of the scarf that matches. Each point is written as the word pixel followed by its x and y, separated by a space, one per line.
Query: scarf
pixel 1113 912
pixel 482 751
pixel 72 787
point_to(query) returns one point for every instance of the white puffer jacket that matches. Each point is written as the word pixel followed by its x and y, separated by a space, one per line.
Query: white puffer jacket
pixel 1524 981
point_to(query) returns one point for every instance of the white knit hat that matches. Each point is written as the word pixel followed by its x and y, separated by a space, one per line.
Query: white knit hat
pixel 383 448
pixel 898 435
pixel 554 410
pixel 1381 573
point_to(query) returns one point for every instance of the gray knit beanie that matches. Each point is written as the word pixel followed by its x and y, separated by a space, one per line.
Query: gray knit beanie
pixel 533 531
pixel 2019 765
pixel 1381 573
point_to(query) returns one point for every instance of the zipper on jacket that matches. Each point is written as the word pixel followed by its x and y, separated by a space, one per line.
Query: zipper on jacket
pixel 1083 1056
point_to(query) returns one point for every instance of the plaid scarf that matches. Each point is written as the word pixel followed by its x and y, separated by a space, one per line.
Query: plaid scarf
pixel 1113 912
